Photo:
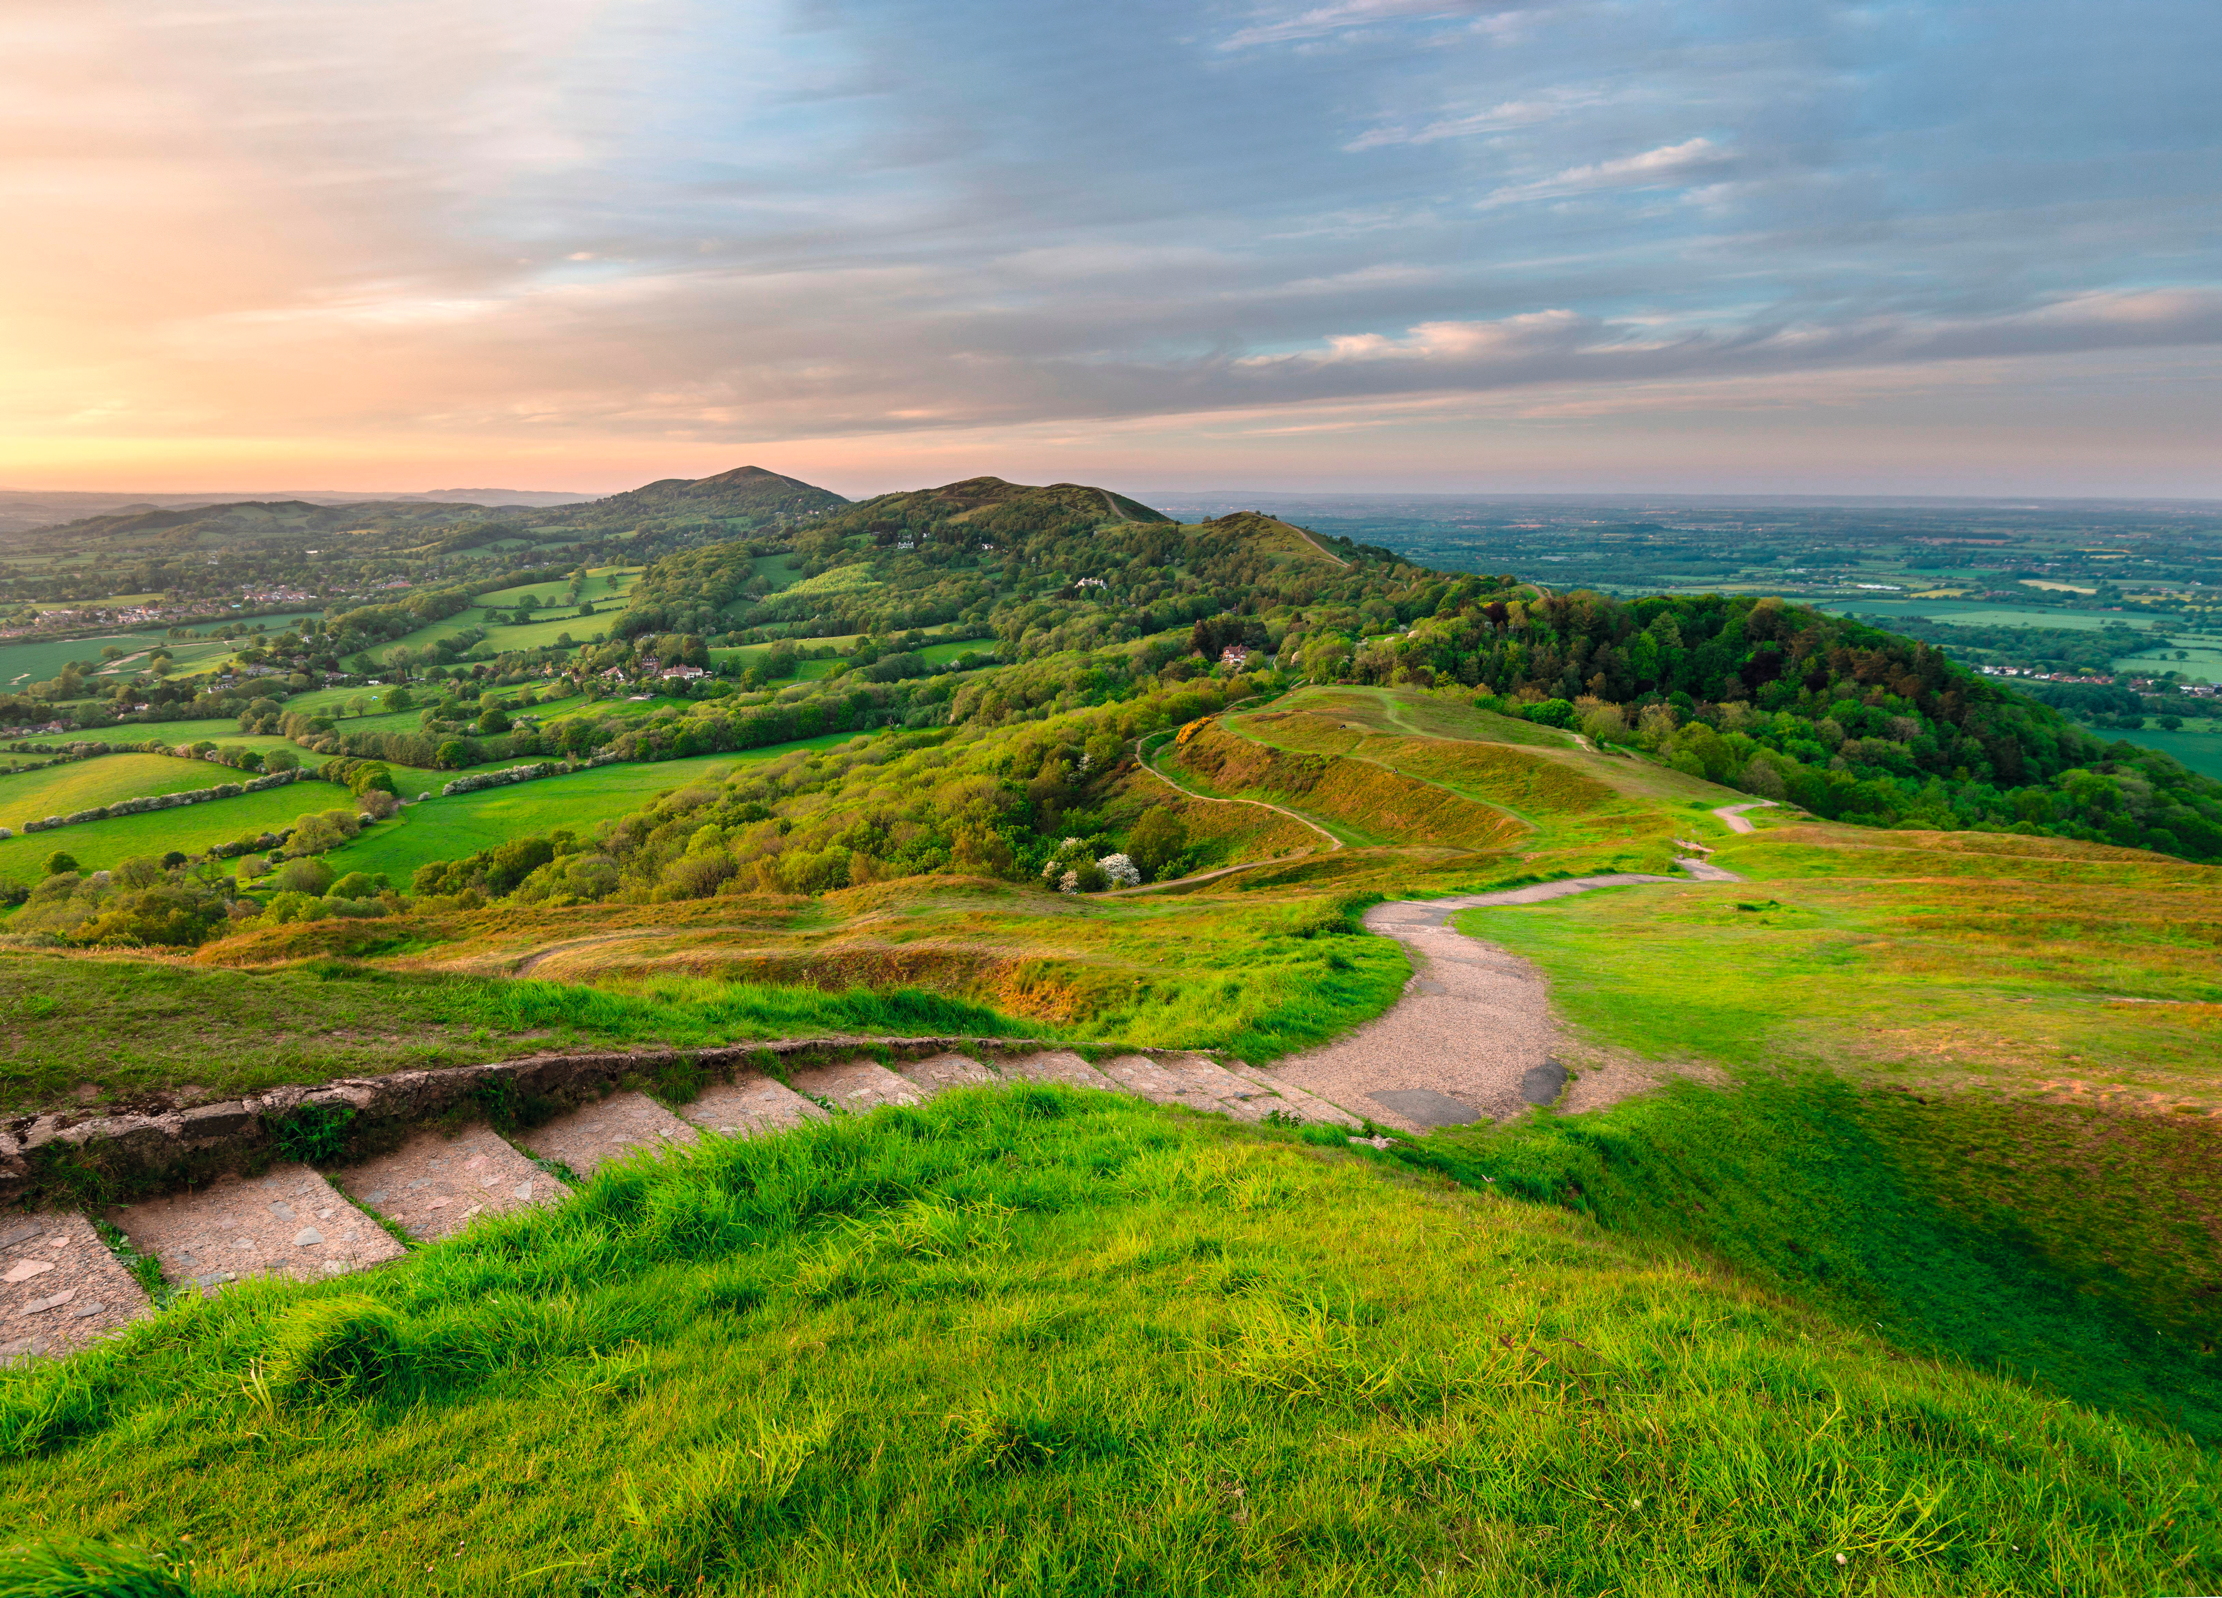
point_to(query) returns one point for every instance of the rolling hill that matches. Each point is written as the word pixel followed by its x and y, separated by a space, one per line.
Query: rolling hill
pixel 745 492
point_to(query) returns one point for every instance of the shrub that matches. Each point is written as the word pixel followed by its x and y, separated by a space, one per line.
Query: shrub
pixel 60 862
pixel 304 876
pixel 355 885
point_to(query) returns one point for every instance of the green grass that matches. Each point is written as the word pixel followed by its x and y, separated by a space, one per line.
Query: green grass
pixel 449 828
pixel 1985 981
pixel 82 784
pixel 98 845
pixel 1039 1341
pixel 131 1026
pixel 2060 1247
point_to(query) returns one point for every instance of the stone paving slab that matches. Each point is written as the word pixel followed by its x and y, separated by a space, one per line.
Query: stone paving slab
pixel 1304 1105
pixel 939 1072
pixel 1056 1065
pixel 60 1288
pixel 1171 1081
pixel 287 1222
pixel 857 1088
pixel 749 1106
pixel 433 1185
pixel 605 1130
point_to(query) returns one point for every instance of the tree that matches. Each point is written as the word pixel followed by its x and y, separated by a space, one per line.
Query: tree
pixel 1155 840
pixel 399 699
pixel 60 862
pixel 304 876
pixel 358 705
pixel 452 754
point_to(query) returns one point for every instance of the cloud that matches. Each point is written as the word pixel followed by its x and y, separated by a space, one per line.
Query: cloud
pixel 1274 25
pixel 689 221
pixel 1669 165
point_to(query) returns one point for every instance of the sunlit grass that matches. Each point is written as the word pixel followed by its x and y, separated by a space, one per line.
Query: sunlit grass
pixel 1035 1341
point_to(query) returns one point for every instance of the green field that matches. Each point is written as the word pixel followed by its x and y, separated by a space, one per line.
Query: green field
pixel 98 845
pixel 2201 751
pixel 1980 615
pixel 82 784
pixel 446 829
pixel 1042 1341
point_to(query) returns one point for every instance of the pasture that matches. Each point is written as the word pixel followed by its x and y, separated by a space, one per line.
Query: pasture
pixel 447 828
pixel 100 845
pixel 102 780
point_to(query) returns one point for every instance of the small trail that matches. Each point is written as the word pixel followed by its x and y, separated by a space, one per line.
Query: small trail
pixel 1732 816
pixel 532 962
pixel 1142 759
pixel 1472 1036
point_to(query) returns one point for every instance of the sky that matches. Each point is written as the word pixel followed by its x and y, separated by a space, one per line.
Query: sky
pixel 1327 245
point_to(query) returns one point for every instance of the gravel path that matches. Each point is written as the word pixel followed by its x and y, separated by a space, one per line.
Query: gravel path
pixel 1733 815
pixel 1472 1038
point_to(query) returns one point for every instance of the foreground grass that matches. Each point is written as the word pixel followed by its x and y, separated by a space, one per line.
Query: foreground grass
pixel 1033 1341
pixel 129 1028
pixel 2059 1244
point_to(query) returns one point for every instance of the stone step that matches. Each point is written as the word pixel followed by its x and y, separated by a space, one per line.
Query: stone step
pixel 1183 1080
pixel 433 1185
pixel 749 1106
pixel 60 1288
pixel 940 1072
pixel 589 1136
pixel 855 1088
pixel 1304 1106
pixel 287 1222
pixel 1056 1065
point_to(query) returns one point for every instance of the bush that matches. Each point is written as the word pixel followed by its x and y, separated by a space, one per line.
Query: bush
pixel 60 862
pixel 355 885
pixel 1552 713
pixel 304 876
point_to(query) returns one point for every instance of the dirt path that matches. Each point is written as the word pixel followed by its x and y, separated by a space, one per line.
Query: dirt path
pixel 1472 1037
pixel 1142 759
pixel 1733 815
pixel 532 961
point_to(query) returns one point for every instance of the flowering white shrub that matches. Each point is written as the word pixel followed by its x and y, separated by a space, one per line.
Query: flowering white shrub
pixel 1124 873
pixel 1069 882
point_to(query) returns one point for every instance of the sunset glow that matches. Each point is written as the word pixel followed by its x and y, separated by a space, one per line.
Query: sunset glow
pixel 1371 243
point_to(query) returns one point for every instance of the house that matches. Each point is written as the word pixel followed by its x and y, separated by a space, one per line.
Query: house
pixel 683 673
pixel 1234 657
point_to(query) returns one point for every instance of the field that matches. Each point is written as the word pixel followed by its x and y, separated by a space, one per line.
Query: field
pixel 1034 1341
pixel 447 828
pixel 2019 965
pixel 2201 751
pixel 83 784
pixel 36 660
pixel 99 845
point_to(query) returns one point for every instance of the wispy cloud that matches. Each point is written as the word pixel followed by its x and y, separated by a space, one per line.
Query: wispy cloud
pixel 391 231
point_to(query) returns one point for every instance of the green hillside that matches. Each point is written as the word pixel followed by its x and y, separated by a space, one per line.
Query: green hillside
pixel 1038 1340
pixel 746 493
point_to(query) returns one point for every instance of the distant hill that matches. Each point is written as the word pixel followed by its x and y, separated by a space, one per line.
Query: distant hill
pixel 177 528
pixel 983 553
pixel 990 499
pixel 748 491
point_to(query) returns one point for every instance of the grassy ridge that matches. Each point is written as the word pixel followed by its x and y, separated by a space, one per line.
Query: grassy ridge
pixel 1936 982
pixel 1036 1341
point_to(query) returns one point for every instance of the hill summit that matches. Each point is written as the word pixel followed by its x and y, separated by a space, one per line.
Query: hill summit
pixel 743 491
